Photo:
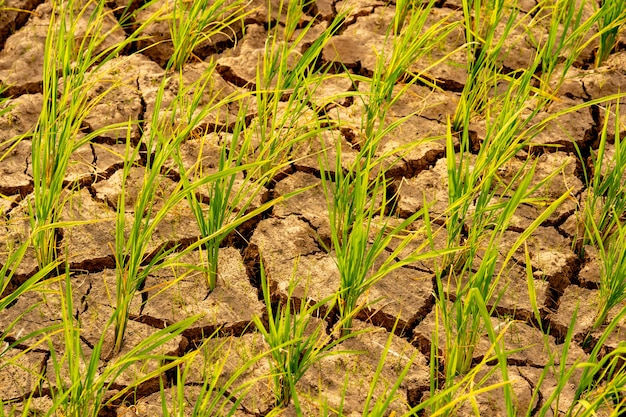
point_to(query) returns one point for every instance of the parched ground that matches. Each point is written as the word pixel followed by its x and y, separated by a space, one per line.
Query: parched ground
pixel 292 233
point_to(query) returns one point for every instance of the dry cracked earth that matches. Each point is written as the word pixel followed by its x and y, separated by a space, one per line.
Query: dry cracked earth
pixel 292 230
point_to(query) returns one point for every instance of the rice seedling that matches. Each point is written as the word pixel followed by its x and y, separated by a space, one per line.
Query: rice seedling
pixel 231 196
pixel 445 399
pixel 195 22
pixel 612 15
pixel 285 79
pixel 57 133
pixel 359 195
pixel 481 19
pixel 602 381
pixel 612 272
pixel 67 102
pixel 226 203
pixel 83 390
pixel 462 322
pixel 602 217
pixel 214 398
pixel 472 179
pixel 477 217
pixel 567 37
pixel 131 251
pixel 297 342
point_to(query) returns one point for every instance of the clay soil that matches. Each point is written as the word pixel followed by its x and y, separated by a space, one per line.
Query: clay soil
pixel 295 232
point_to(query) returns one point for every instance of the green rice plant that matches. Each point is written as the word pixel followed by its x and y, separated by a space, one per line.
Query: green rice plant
pixel 296 342
pixel 462 322
pixel 414 38
pixel 478 215
pixel 80 384
pixel 606 197
pixel 212 398
pixel 445 400
pixel 472 180
pixel 603 377
pixel 355 203
pixel 612 270
pixel 195 22
pixel 57 133
pixel 286 78
pixel 226 203
pixel 568 35
pixel 166 134
pixel 612 15
pixel 230 204
pixel 352 201
pixel 67 103
pixel 357 196
pixel 602 217
pixel 481 19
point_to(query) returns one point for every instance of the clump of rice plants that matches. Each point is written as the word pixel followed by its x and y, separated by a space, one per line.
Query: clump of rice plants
pixel 195 22
pixel 602 218
pixel 612 16
pixel 58 131
pixel 131 250
pixel 359 195
pixel 297 339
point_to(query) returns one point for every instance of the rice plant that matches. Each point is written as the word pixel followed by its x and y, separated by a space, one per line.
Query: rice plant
pixel 227 204
pixel 285 79
pixel 602 217
pixel 445 399
pixel 606 198
pixel 478 215
pixel 131 250
pixel 481 19
pixel 80 382
pixel 612 16
pixel 567 37
pixel 297 338
pixel 57 134
pixel 195 22
pixel 67 102
pixel 602 381
pixel 358 196
pixel 214 397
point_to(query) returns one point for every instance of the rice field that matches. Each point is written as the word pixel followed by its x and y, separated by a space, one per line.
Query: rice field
pixel 312 208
